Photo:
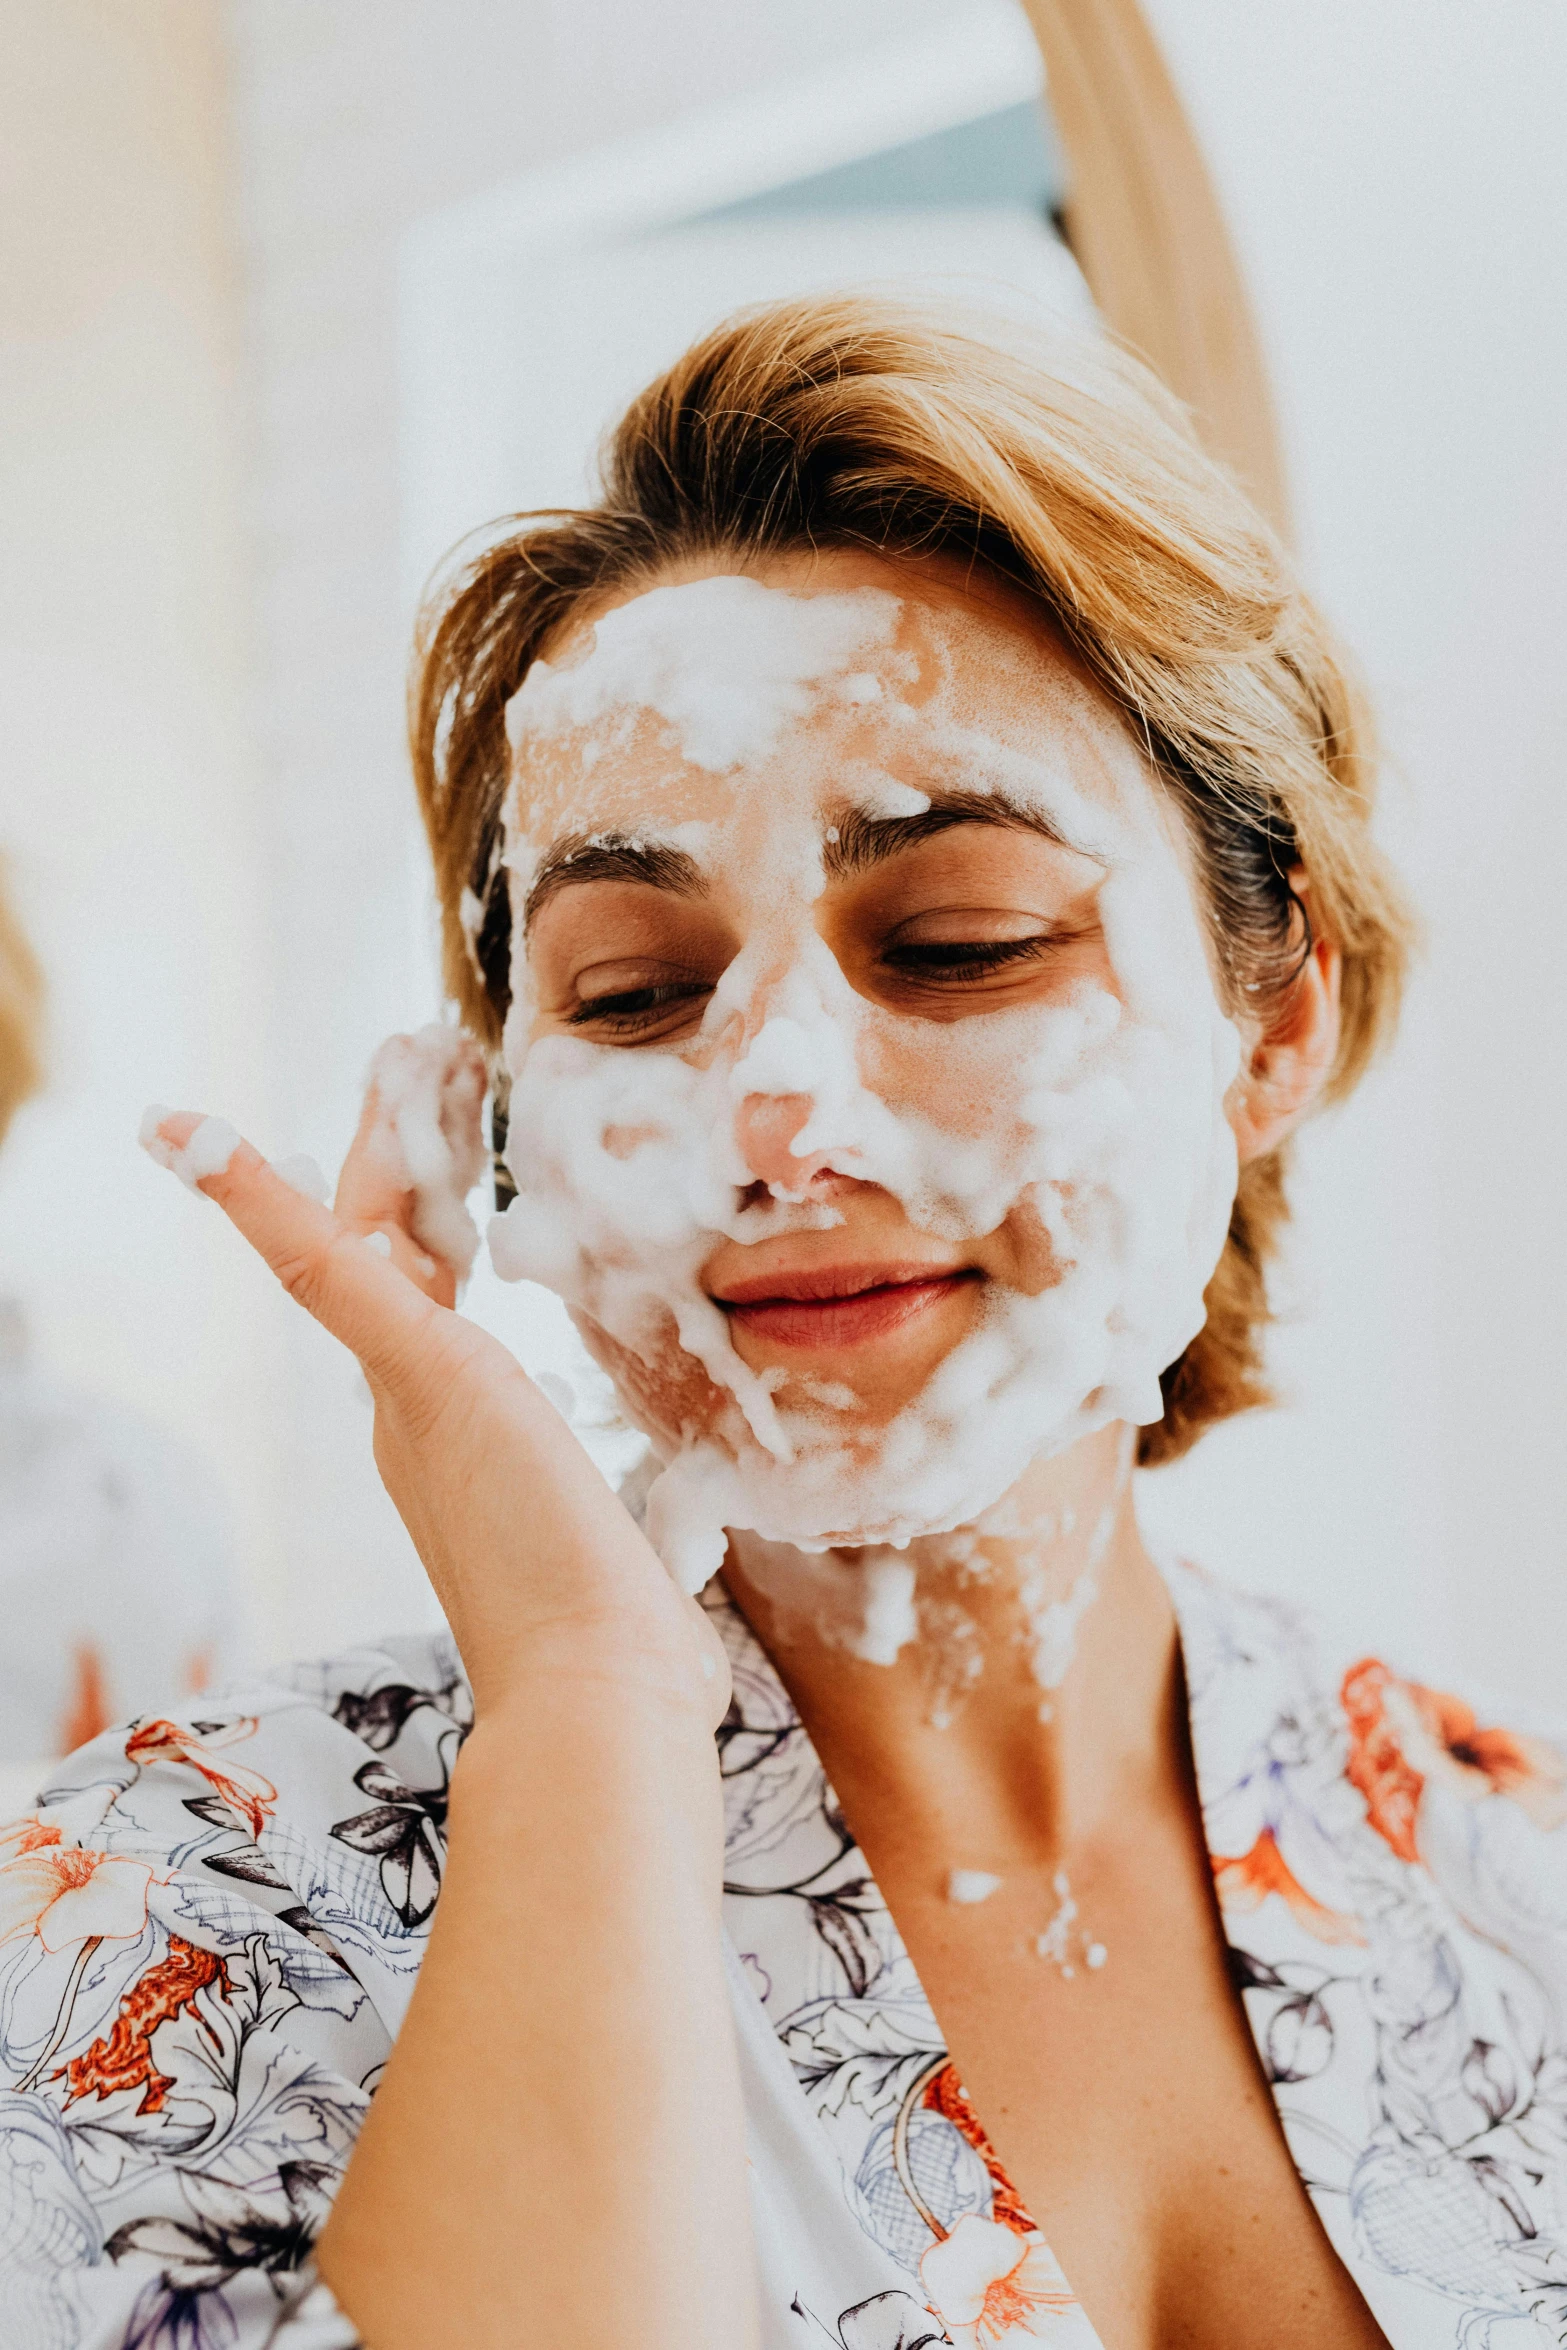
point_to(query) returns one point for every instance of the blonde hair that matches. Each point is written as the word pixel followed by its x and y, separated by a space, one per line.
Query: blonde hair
pixel 1056 462
pixel 21 1014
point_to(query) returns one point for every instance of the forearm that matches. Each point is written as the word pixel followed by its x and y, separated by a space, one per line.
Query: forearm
pixel 556 2151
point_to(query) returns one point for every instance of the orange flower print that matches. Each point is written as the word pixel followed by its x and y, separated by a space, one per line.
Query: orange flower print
pixel 1376 1764
pixel 244 1792
pixel 65 1895
pixel 26 1835
pixel 1245 1882
pixel 991 2285
pixel 124 2060
pixel 1402 1736
pixel 945 2094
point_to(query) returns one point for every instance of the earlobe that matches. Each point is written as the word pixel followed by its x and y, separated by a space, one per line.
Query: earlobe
pixel 1291 1061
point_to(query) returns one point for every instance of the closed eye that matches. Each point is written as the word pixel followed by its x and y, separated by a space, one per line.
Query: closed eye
pixel 965 958
pixel 631 1010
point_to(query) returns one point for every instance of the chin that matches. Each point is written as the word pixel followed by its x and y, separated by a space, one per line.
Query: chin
pixel 861 1387
pixel 849 1403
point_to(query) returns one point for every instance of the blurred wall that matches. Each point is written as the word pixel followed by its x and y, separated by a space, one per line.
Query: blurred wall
pixel 1396 178
pixel 131 800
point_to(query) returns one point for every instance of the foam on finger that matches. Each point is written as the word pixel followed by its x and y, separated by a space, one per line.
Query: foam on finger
pixel 206 1152
pixel 428 1091
pixel 301 1173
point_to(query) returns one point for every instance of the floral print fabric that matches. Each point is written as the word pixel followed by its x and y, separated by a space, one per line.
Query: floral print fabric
pixel 209 1929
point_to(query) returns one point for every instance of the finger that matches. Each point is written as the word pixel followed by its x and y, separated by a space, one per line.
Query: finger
pixel 375 1186
pixel 375 1196
pixel 419 1147
pixel 350 1287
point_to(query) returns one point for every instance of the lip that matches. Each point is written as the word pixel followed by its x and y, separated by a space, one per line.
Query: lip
pixel 839 1305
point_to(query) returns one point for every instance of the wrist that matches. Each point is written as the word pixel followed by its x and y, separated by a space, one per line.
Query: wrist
pixel 598 1662
pixel 569 1695
pixel 599 1767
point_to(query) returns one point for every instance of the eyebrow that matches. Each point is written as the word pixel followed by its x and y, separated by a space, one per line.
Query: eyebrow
pixel 857 840
pixel 611 856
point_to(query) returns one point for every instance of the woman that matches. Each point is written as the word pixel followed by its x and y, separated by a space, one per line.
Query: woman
pixel 906 872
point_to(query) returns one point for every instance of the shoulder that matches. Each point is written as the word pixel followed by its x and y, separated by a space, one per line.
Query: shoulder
pixel 1297 1726
pixel 1239 1644
pixel 314 1799
pixel 405 1698
pixel 210 1926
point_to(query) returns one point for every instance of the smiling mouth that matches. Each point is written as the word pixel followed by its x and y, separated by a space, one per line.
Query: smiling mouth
pixel 839 1305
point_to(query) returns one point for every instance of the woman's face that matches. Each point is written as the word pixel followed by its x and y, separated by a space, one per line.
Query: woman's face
pixel 868 1075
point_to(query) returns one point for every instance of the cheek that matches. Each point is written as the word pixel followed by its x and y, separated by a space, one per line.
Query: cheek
pixel 665 1391
pixel 1020 1251
pixel 962 1076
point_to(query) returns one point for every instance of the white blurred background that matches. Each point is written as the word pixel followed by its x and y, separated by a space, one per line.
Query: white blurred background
pixel 292 294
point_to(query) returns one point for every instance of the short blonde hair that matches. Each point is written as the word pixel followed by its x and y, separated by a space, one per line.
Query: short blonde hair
pixel 1058 463
pixel 21 1014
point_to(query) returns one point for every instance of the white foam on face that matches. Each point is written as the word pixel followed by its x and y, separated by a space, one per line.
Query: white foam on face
pixel 1095 1118
pixel 428 1134
pixel 970 1885
pixel 720 660
pixel 211 1146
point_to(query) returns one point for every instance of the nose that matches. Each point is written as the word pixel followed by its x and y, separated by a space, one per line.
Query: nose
pixel 766 1125
pixel 796 1067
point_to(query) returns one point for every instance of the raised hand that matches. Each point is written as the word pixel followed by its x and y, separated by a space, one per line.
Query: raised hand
pixel 566 2070
pixel 528 1549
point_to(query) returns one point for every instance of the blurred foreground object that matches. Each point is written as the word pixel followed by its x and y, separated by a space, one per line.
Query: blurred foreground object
pixel 115 1582
pixel 1144 222
pixel 21 1014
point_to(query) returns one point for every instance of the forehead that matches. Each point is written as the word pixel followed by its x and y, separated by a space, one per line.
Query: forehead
pixel 815 682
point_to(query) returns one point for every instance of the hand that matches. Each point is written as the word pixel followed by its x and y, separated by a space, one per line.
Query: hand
pixel 536 1563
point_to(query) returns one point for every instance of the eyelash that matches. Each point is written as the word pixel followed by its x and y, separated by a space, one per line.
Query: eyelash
pixel 963 959
pixel 638 1008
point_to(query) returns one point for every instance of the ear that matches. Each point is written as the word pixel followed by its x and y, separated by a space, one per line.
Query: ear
pixel 1290 1061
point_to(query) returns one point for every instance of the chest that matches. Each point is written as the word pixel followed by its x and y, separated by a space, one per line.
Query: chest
pixel 1124 2103
pixel 961 2086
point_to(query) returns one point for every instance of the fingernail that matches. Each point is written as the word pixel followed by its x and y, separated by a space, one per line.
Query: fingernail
pixel 210 1148
pixel 378 1243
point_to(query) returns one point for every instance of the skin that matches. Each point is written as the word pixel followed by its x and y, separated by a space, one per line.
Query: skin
pixel 1127 2104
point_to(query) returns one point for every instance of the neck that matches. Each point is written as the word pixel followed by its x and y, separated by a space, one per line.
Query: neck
pixel 1037 1697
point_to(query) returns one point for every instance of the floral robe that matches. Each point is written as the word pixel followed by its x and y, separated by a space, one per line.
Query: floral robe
pixel 209 1930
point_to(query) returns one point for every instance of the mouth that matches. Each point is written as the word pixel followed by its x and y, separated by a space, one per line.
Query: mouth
pixel 839 1305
